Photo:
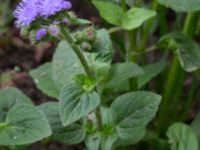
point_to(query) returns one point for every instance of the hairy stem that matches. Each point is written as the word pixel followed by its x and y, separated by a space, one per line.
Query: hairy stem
pixel 76 49
pixel 84 63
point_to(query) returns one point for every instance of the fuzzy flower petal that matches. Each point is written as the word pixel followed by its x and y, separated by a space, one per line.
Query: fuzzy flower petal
pixel 51 7
pixel 40 33
pixel 25 14
pixel 34 2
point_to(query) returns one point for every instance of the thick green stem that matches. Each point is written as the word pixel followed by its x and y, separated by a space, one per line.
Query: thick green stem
pixel 191 23
pixel 170 88
pixel 189 29
pixel 163 23
pixel 76 49
pixel 130 55
pixel 190 100
pixel 148 27
pixel 132 45
pixel 174 83
pixel 123 4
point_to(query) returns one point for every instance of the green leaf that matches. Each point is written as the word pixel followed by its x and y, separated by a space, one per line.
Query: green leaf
pixel 181 5
pixel 65 65
pixel 133 111
pixel 186 49
pixel 51 110
pixel 129 20
pixel 102 54
pixel 80 21
pixel 92 141
pixel 9 97
pixel 103 43
pixel 150 71
pixel 182 137
pixel 195 125
pixel 24 124
pixel 135 17
pixel 111 12
pixel 43 79
pixel 101 141
pixel 121 72
pixel 75 103
pixel 88 83
pixel 72 134
pixel 107 116
pixel 107 141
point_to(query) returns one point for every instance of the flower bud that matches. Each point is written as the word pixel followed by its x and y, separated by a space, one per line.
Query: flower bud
pixel 40 33
pixel 54 30
pixel 86 46
pixel 79 36
pixel 65 21
pixel 90 34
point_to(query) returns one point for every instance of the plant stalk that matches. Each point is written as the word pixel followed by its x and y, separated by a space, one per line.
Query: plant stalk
pixel 174 83
pixel 123 5
pixel 84 63
pixel 77 50
pixel 148 27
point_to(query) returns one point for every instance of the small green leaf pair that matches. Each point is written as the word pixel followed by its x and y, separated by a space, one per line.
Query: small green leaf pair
pixel 129 20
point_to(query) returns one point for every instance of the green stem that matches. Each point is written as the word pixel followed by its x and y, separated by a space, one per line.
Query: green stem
pixel 147 50
pixel 123 5
pixel 148 27
pixel 163 24
pixel 191 23
pixel 189 102
pixel 189 29
pixel 132 45
pixel 130 55
pixel 114 29
pixel 83 61
pixel 170 87
pixel 174 84
pixel 76 49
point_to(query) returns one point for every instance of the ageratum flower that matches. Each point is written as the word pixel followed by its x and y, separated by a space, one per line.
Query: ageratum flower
pixel 40 33
pixel 51 7
pixel 28 10
pixel 25 13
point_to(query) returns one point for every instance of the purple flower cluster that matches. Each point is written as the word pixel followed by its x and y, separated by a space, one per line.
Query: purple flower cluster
pixel 29 10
